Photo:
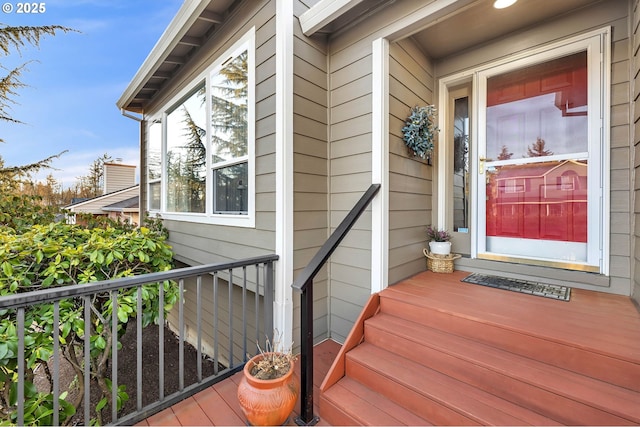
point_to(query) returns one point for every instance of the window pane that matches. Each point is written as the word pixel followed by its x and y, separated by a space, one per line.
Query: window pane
pixel 231 189
pixel 539 110
pixel 186 155
pixel 229 102
pixel 545 200
pixel 154 196
pixel 154 151
pixel 461 189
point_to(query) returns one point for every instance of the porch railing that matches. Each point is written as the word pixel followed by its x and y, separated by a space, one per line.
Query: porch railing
pixel 304 285
pixel 212 278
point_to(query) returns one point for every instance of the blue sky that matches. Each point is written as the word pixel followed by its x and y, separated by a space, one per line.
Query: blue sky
pixel 75 79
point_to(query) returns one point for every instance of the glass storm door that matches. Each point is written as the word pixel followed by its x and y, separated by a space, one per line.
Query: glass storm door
pixel 536 169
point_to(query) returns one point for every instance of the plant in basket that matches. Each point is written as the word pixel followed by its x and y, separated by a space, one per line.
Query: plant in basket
pixel 439 241
pixel 269 387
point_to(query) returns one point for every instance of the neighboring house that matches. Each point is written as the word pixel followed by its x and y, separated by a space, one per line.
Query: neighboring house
pixel 263 122
pixel 120 198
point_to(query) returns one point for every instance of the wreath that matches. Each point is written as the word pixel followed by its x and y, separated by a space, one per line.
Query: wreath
pixel 420 130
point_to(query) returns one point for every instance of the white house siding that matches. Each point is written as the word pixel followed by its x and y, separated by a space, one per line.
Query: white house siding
pixel 310 151
pixel 118 176
pixel 411 83
pixel 94 206
pixel 635 91
pixel 614 13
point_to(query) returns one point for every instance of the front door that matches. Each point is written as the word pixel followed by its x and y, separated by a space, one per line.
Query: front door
pixel 535 155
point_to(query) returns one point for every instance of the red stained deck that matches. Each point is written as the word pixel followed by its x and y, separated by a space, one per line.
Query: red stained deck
pixel 607 325
pixel 218 404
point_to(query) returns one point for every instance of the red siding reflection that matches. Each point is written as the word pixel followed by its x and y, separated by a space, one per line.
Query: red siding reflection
pixel 546 201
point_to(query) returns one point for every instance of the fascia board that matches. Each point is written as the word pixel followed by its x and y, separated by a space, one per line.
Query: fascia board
pixel 324 12
pixel 177 28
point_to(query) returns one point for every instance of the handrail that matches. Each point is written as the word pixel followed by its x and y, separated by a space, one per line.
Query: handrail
pixel 320 258
pixel 304 285
pixel 49 294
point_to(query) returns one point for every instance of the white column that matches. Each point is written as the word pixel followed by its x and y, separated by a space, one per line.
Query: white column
pixel 380 165
pixel 283 304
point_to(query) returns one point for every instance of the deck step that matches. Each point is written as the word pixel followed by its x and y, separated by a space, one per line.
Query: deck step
pixel 465 322
pixel 433 350
pixel 431 394
pixel 365 407
pixel 562 395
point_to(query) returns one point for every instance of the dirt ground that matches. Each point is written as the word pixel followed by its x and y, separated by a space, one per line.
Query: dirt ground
pixel 127 369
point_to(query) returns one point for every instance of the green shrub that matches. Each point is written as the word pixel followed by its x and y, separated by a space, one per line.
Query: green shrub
pixel 36 256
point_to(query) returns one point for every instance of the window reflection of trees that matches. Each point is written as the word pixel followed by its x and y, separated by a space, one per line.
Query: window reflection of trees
pixel 186 156
pixel 229 139
pixel 187 143
pixel 229 93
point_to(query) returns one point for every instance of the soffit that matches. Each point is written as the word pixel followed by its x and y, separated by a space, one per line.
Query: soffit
pixel 469 24
pixel 481 22
pixel 184 36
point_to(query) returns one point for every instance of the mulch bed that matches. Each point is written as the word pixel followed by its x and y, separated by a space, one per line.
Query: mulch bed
pixel 127 369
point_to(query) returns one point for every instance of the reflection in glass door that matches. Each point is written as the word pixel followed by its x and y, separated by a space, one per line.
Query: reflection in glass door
pixel 535 164
pixel 461 165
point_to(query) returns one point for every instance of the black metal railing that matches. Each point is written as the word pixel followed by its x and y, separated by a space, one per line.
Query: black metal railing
pixel 206 284
pixel 304 285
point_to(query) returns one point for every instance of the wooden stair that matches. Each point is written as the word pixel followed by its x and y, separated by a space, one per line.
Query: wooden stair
pixel 434 351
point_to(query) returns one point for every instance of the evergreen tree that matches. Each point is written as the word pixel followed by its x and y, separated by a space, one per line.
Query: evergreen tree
pixel 538 149
pixel 14 39
pixel 504 153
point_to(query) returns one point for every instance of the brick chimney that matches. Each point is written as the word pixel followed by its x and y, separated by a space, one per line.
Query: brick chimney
pixel 118 176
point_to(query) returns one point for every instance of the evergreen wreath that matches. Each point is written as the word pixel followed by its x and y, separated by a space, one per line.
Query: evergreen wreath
pixel 420 130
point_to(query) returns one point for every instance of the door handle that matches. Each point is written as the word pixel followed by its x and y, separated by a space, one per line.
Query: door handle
pixel 481 165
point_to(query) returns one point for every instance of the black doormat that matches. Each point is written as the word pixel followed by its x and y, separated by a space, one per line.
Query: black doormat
pixel 546 290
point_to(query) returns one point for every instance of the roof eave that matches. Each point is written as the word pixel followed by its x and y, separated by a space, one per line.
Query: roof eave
pixel 177 28
pixel 324 12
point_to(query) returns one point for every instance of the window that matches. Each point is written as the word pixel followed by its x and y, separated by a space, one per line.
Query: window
pixel 229 145
pixel 186 155
pixel 154 164
pixel 200 154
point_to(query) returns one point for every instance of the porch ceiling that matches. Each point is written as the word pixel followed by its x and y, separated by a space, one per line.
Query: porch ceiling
pixel 480 22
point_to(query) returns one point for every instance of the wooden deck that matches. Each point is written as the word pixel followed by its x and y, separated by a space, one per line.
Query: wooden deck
pixel 218 404
pixel 495 333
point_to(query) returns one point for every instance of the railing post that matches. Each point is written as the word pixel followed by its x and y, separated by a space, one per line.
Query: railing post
pixel 306 417
pixel 268 300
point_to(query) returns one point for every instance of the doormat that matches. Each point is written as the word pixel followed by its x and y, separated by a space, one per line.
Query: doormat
pixel 546 290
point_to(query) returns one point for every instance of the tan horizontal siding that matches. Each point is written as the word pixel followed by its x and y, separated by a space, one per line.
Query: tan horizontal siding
pixel 310 184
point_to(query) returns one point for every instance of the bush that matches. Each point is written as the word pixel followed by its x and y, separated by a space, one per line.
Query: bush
pixel 36 256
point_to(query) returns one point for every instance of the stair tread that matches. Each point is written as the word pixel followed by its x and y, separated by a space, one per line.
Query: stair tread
pixel 368 407
pixel 620 401
pixel 531 342
pixel 472 403
pixel 479 303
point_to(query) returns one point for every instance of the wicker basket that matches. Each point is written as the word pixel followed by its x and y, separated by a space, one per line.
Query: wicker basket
pixel 440 263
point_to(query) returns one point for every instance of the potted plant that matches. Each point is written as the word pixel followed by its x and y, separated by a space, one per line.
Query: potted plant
pixel 420 130
pixel 439 241
pixel 269 387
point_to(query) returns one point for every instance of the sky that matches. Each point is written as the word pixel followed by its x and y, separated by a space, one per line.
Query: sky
pixel 74 80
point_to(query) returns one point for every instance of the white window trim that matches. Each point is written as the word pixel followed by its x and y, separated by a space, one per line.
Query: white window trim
pixel 247 41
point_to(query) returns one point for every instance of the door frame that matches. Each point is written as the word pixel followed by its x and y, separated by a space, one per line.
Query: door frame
pixel 443 203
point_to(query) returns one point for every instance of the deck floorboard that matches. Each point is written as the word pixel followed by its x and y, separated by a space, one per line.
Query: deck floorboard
pixel 605 322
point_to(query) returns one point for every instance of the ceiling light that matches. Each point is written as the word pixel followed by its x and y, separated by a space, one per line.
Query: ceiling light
pixel 501 4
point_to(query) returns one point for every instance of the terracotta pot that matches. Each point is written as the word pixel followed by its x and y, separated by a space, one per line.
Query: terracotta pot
pixel 440 248
pixel 267 402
